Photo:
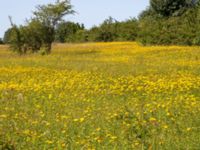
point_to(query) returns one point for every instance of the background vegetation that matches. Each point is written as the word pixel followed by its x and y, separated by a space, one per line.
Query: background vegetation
pixel 170 23
pixel 162 23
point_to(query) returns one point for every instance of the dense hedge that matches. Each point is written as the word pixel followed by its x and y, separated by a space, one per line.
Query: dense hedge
pixel 109 30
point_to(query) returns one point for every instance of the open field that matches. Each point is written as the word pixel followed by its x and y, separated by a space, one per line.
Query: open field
pixel 101 96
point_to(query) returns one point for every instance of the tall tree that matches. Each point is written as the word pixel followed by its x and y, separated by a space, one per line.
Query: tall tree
pixel 50 15
pixel 171 7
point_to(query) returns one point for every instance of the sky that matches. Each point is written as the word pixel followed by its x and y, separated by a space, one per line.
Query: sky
pixel 88 12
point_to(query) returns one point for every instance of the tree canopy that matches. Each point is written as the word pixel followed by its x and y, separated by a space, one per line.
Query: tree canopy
pixel 171 7
pixel 168 22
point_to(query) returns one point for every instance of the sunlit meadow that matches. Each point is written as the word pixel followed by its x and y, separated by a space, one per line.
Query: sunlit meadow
pixel 101 96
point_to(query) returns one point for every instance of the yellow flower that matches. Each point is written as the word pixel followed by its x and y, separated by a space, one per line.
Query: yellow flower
pixel 168 114
pixel 113 137
pixel 98 129
pixel 49 142
pixel 136 143
pixel 50 96
pixel 152 119
pixel 76 120
pixel 81 120
pixel 3 116
pixel 165 126
pixel 63 144
pixel 26 132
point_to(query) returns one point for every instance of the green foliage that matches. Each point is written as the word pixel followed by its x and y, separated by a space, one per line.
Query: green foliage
pixel 183 29
pixel 66 31
pixel 171 7
pixel 127 30
pixel 93 34
pixel 34 35
pixel 1 41
pixel 80 36
pixel 39 32
pixel 147 13
pixel 7 35
pixel 51 14
pixel 15 38
pixel 112 30
pixel 109 30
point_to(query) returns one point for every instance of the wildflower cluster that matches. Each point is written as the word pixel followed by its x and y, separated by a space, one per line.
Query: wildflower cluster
pixel 101 96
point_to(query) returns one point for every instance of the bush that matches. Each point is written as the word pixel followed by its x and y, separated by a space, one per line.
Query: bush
pixel 112 30
pixel 67 31
pixel 180 30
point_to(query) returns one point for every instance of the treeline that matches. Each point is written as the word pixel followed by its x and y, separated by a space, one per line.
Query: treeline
pixel 164 22
pixel 70 32
pixel 109 30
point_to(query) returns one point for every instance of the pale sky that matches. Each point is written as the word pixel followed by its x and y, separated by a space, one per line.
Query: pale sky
pixel 89 12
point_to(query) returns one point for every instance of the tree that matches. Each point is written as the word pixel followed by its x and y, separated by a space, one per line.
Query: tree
pixel 65 31
pixel 33 34
pixel 170 22
pixel 108 30
pixel 171 7
pixel 39 31
pixel 93 34
pixel 15 38
pixel 105 32
pixel 179 30
pixel 127 30
pixel 7 35
pixel 24 38
pixel 50 15
pixel 80 36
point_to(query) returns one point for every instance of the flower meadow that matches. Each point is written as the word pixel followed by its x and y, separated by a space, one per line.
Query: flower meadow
pixel 97 96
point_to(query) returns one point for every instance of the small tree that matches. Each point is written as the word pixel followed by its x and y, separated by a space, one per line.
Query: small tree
pixel 15 37
pixel 39 31
pixel 49 16
pixel 7 36
pixel 33 34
